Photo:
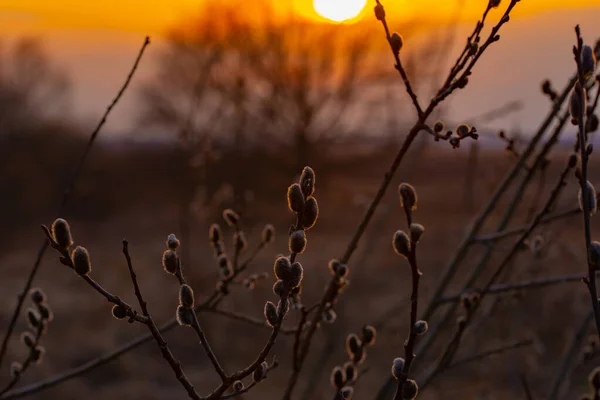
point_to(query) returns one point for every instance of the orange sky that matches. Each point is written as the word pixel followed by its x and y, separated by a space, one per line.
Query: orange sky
pixel 153 16
pixel 96 41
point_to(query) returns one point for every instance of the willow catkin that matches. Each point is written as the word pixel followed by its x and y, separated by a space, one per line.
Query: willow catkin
pixel 307 181
pixel 397 367
pixel 61 233
pixel 590 199
pixel 408 196
pixel 81 261
pixel 186 296
pixel 401 243
pixel 295 198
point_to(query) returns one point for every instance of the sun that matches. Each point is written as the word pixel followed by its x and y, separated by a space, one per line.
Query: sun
pixel 339 10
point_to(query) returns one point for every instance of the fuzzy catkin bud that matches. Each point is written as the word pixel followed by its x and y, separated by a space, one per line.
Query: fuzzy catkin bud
pixel 421 327
pixel 351 371
pixel 333 266
pixel 172 242
pixel 360 356
pixel 379 12
pixel 268 234
pixel 329 316
pixel 295 198
pixel 408 196
pixel 260 372
pixel 307 181
pixel 170 261
pixel 297 242
pixel 463 130
pixel 310 214
pixel 588 62
pixel 15 369
pixel 119 312
pixel 594 255
pixel 576 107
pixel 416 230
pixel 231 217
pixel 33 318
pixel 590 199
pixel 368 335
pixel 238 386
pixel 45 312
pixel 410 389
pixel 594 379
pixel 186 296
pixel 342 271
pixel 401 243
pixel 353 344
pixel 61 233
pixel 270 313
pixel 338 377
pixel 439 127
pixel 279 288
pixel 397 367
pixel 282 268
pixel 396 42
pixel 81 261
pixel 37 295
pixel 27 339
pixel 214 233
pixel 493 3
pixel 184 316
pixel 296 275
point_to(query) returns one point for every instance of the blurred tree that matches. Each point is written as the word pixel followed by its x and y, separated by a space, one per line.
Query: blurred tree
pixel 234 83
pixel 32 90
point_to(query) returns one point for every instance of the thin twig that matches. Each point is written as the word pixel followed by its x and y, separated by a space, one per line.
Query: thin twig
pixel 66 196
pixel 332 291
pixel 570 357
pixel 409 344
pixel 580 90
pixel 491 352
pixel 454 344
pixel 401 70
pixel 493 237
pixel 162 344
pixel 510 287
pixel 509 212
pixel 211 301
pixel 28 360
pixel 247 319
pixel 207 349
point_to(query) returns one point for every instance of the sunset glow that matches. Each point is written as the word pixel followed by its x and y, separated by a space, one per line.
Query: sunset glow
pixel 339 10
pixel 157 16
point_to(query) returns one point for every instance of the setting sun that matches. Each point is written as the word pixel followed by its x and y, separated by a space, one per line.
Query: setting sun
pixel 339 10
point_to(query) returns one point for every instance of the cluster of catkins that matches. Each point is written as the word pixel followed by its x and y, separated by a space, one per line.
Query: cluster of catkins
pixel 38 318
pixel 404 245
pixel 224 263
pixel 343 377
pixel 463 131
pixel 172 265
pixel 576 107
pixel 79 258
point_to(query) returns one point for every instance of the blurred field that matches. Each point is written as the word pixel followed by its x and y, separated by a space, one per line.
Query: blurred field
pixel 135 192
